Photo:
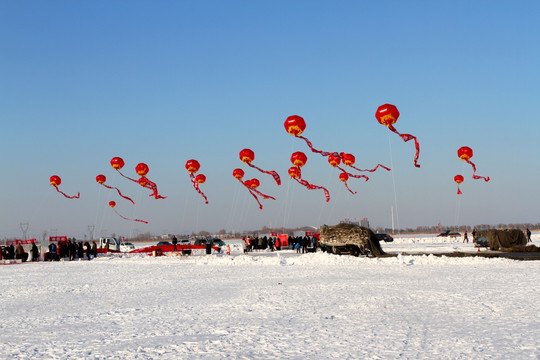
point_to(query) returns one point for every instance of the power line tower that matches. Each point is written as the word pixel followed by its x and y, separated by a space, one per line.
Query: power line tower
pixel 91 230
pixel 24 229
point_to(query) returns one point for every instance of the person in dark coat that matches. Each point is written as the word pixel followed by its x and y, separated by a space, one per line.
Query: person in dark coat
pixel 174 242
pixel 35 252
pixel 529 235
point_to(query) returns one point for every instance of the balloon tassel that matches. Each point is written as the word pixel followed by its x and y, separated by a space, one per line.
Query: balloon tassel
pixel 405 138
pixel 67 196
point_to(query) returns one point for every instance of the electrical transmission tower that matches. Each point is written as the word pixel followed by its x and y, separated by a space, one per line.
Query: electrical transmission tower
pixel 24 229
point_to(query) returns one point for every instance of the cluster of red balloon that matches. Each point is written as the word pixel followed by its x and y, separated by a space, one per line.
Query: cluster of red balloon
pixel 142 170
pixel 295 125
pixel 299 159
pixel 192 166
pixel 247 156
pixel 56 181
pixel 465 153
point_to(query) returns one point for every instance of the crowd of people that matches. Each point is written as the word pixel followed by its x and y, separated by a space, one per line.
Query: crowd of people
pixel 301 244
pixel 67 250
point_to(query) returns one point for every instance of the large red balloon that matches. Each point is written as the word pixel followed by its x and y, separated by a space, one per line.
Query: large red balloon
pixel 201 179
pixel 192 166
pixel 295 125
pixel 465 153
pixel 142 169
pixel 238 173
pixel 387 114
pixel 117 163
pixel 247 156
pixel 55 180
pixel 298 159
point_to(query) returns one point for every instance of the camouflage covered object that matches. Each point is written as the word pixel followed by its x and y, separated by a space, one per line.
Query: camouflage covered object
pixel 500 239
pixel 350 236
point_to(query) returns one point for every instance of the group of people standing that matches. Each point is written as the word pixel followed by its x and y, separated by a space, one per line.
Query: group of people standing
pixel 71 250
pixel 301 244
pixel 11 252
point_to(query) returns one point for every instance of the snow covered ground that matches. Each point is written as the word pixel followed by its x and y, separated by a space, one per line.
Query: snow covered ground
pixel 274 306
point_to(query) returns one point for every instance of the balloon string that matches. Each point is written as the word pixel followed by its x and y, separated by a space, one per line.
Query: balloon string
pixel 371 170
pixel 119 193
pixel 274 174
pixel 476 177
pixel 69 197
pixel 405 138
pixel 196 186
pixel 125 218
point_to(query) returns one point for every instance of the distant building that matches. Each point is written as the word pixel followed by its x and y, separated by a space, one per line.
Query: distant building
pixel 364 222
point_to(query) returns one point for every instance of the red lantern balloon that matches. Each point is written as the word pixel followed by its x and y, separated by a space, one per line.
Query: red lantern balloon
pixel 192 166
pixel 254 183
pixel 458 179
pixel 294 172
pixel 247 156
pixel 465 153
pixel 142 169
pixel 298 159
pixel 295 125
pixel 343 177
pixel 56 181
pixel 200 178
pixel 117 163
pixel 387 115
pixel 112 204
pixel 348 159
pixel 334 160
pixel 101 180
pixel 238 173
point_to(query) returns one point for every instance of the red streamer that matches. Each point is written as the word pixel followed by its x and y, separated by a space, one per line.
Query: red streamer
pixel 476 177
pixel 407 137
pixel 125 218
pixel 311 186
pixel 310 145
pixel 119 193
pixel 144 182
pixel 196 186
pixel 69 197
pixel 370 170
pixel 274 174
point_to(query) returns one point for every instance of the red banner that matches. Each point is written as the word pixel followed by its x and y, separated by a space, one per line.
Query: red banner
pixel 57 238
pixel 22 242
pixel 312 233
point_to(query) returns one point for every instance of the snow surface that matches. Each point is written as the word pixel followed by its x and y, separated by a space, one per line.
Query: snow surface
pixel 274 306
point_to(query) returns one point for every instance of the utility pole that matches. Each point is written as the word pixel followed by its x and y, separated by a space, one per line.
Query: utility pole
pixel 24 229
pixel 91 230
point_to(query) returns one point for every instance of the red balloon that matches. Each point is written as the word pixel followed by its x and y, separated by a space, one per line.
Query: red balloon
pixel 200 178
pixel 458 179
pixel 465 153
pixel 298 159
pixel 112 204
pixel 295 125
pixel 334 160
pixel 348 159
pixel 101 178
pixel 387 114
pixel 254 183
pixel 117 163
pixel 238 173
pixel 343 177
pixel 192 166
pixel 142 169
pixel 247 155
pixel 55 180
pixel 294 172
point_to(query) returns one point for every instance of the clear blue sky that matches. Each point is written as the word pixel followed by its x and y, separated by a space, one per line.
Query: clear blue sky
pixel 162 82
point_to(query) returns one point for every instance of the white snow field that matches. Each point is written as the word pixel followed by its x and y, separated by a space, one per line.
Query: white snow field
pixel 273 306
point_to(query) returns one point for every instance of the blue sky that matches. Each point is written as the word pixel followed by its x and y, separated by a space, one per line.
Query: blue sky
pixel 164 82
